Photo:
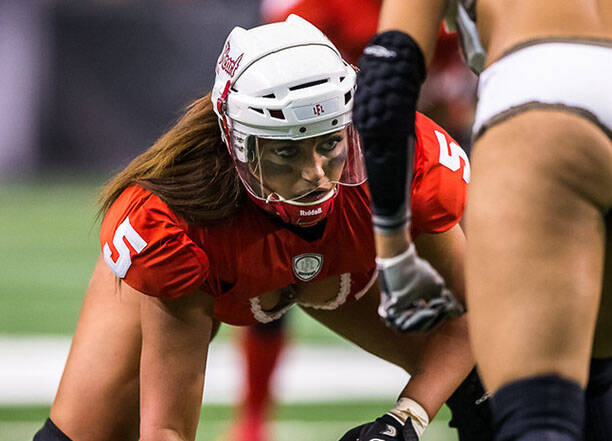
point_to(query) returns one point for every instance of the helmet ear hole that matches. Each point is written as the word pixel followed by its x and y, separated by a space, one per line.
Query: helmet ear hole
pixel 250 145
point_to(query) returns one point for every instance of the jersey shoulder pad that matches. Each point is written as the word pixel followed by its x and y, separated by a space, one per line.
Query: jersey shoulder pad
pixel 146 244
pixel 441 175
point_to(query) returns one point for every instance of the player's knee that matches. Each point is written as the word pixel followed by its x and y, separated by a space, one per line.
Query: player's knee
pixel 539 408
pixel 50 432
pixel 598 424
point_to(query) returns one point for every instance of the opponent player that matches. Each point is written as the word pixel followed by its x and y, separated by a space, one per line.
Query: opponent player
pixel 198 231
pixel 539 266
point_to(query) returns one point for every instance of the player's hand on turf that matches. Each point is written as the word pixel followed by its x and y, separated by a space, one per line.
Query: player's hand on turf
pixel 413 294
pixel 385 428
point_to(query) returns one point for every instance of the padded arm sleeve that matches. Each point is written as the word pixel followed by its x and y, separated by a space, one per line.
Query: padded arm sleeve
pixel 392 69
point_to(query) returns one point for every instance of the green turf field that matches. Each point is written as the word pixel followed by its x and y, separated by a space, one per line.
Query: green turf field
pixel 307 422
pixel 49 244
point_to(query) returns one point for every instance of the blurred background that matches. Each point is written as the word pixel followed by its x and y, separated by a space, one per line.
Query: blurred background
pixel 84 87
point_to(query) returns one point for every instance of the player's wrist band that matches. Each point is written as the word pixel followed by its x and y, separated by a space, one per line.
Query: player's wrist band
pixel 386 262
pixel 391 224
pixel 407 408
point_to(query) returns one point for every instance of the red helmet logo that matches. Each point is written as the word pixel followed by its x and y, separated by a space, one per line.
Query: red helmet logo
pixel 227 63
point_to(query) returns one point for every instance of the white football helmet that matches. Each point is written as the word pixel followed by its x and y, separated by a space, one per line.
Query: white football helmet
pixel 285 81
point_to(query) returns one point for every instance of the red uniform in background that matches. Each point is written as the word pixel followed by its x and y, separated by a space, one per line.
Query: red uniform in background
pixel 160 254
pixel 448 95
pixel 349 24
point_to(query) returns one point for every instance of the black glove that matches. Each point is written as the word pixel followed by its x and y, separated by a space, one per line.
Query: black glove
pixel 413 294
pixel 385 428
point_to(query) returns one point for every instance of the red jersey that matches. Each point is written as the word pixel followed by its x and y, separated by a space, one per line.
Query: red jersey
pixel 159 254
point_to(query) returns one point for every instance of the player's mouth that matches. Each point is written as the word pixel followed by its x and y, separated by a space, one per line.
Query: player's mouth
pixel 313 196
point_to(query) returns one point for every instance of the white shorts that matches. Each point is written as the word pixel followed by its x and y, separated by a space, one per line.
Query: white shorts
pixel 566 74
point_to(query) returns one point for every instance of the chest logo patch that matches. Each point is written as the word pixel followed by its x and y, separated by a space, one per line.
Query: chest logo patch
pixel 307 266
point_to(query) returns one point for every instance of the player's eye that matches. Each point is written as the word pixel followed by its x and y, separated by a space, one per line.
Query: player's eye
pixel 330 144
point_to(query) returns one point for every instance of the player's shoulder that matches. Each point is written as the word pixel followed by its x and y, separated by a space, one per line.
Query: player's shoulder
pixel 441 175
pixel 148 245
pixel 144 210
pixel 429 134
pixel 422 122
pixel 136 199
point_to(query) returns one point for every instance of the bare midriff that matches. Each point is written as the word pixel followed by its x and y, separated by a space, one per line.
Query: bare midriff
pixel 503 24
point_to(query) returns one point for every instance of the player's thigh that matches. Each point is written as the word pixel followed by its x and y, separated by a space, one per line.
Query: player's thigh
pixel 602 347
pixel 535 245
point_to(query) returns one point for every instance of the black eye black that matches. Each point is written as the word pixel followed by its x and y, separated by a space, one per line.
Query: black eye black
pixel 285 152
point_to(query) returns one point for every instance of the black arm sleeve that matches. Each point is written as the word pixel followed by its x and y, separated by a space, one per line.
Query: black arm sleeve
pixel 391 71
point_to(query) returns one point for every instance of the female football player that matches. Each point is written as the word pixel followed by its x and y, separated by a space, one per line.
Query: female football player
pixel 539 255
pixel 447 97
pixel 238 225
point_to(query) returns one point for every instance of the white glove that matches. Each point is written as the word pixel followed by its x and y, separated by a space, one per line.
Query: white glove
pixel 413 294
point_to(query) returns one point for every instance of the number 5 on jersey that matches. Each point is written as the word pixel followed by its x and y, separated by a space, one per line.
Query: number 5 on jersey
pixel 124 261
pixel 449 157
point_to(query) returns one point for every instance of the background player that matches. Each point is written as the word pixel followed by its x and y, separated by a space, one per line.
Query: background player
pixel 196 239
pixel 539 208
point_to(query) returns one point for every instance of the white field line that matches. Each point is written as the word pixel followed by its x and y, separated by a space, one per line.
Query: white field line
pixel 30 370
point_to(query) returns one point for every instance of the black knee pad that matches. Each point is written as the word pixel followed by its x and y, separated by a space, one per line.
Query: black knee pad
pixel 50 432
pixel 471 412
pixel 539 408
pixel 392 69
pixel 598 424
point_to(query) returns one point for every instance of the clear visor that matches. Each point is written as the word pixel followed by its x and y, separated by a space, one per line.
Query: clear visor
pixel 302 172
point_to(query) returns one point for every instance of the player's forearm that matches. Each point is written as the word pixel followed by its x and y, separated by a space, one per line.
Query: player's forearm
pixel 389 245
pixel 162 434
pixel 445 361
pixel 168 413
pixel 173 362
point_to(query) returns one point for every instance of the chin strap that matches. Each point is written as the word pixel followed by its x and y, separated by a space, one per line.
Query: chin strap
pixel 301 216
pixel 280 210
pixel 222 108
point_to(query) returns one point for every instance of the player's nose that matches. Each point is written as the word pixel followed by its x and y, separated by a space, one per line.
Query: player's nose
pixel 314 170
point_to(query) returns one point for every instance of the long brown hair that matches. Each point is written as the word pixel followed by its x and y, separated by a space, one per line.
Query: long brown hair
pixel 189 168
